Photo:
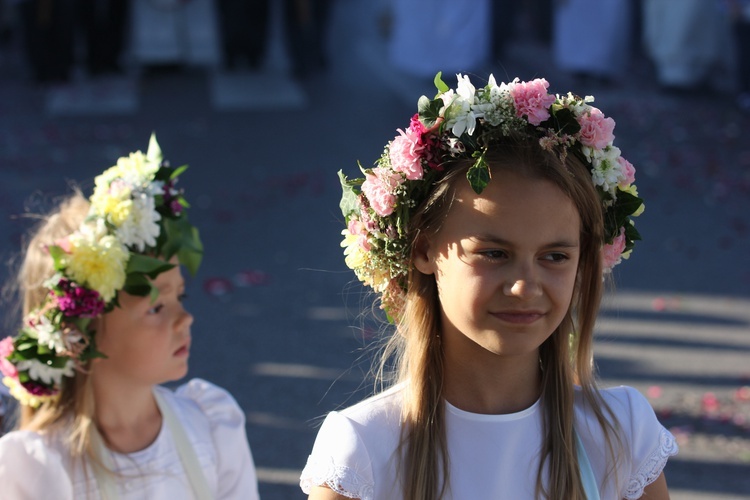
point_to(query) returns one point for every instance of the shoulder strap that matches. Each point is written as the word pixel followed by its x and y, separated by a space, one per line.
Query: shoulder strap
pixel 185 450
pixel 590 486
pixel 190 463
pixel 103 471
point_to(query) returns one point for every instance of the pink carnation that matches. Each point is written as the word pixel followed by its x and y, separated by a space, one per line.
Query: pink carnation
pixel 358 229
pixel 596 129
pixel 628 172
pixel 379 188
pixel 530 99
pixel 405 153
pixel 416 125
pixel 612 252
pixel 6 349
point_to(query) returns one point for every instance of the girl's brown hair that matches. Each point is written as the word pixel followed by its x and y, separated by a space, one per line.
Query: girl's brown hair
pixel 566 356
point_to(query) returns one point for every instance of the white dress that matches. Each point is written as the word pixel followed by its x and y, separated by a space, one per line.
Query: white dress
pixel 491 456
pixel 686 39
pixel 439 35
pixel 592 36
pixel 34 465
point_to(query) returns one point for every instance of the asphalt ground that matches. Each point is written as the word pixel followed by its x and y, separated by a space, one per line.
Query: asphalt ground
pixel 278 315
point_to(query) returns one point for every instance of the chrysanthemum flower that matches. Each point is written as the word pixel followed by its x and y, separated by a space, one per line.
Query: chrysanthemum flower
pixel 99 263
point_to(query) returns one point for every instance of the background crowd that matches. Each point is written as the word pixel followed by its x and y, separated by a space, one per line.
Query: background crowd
pixel 692 44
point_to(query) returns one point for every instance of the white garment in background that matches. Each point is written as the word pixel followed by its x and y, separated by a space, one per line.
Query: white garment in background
pixel 686 39
pixel 439 35
pixel 32 465
pixel 175 32
pixel 592 36
pixel 491 456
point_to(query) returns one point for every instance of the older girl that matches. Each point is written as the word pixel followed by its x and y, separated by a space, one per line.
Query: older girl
pixel 486 228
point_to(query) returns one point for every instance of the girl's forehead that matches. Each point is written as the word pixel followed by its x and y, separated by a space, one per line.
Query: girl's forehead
pixel 515 202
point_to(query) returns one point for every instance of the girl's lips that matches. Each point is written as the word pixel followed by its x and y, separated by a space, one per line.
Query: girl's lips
pixel 518 317
pixel 183 351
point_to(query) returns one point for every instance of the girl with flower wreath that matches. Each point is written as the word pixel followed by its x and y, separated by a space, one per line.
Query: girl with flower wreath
pixel 104 324
pixel 487 227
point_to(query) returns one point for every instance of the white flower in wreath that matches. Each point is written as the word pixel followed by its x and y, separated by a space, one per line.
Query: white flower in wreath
pixel 605 171
pixel 141 229
pixel 45 373
pixel 47 334
pixel 136 169
pixel 498 109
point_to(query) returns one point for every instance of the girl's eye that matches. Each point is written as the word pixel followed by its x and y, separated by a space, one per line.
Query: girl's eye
pixel 556 257
pixel 493 254
pixel 156 309
pixel 182 297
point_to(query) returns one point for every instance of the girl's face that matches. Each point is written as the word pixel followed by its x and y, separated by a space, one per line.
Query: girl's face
pixel 148 342
pixel 505 264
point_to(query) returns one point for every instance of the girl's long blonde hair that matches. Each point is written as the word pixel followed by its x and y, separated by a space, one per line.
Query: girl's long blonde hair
pixel 566 357
pixel 74 408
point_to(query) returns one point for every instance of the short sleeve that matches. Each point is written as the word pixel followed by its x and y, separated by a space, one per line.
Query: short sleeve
pixel 29 469
pixel 651 445
pixel 237 478
pixel 339 460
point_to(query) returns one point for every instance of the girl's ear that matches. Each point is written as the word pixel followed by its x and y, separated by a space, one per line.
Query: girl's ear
pixel 423 260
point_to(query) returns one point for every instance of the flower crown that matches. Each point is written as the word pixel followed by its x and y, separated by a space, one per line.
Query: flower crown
pixel 461 124
pixel 136 223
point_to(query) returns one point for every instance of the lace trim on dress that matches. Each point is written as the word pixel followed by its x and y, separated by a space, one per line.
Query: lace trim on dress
pixel 649 471
pixel 340 478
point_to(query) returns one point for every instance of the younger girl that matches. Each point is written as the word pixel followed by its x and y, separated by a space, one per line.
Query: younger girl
pixel 104 324
pixel 486 227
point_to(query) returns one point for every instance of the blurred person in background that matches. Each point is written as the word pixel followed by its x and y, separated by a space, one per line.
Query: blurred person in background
pixel 429 35
pixel 244 29
pixel 685 41
pixel 245 26
pixel 48 28
pixel 591 38
pixel 739 11
pixel 103 23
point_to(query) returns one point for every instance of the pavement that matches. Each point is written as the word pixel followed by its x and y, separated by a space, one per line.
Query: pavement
pixel 278 315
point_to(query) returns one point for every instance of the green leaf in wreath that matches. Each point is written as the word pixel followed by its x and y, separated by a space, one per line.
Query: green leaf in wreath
pixel 349 196
pixel 145 264
pixel 479 173
pixel 564 121
pixel 429 110
pixel 626 204
pixel 58 257
pixel 440 85
pixel 138 285
pixel 182 239
pixel 177 172
pixel 190 253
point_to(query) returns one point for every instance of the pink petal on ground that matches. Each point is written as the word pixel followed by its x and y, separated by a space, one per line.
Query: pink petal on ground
pixel 217 286
pixel 659 304
pixel 709 403
pixel 654 392
pixel 251 278
pixel 742 394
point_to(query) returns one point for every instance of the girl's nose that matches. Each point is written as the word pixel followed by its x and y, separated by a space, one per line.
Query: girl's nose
pixel 184 320
pixel 522 284
pixel 522 288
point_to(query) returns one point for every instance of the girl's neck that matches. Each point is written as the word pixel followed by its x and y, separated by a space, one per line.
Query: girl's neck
pixel 492 385
pixel 126 415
